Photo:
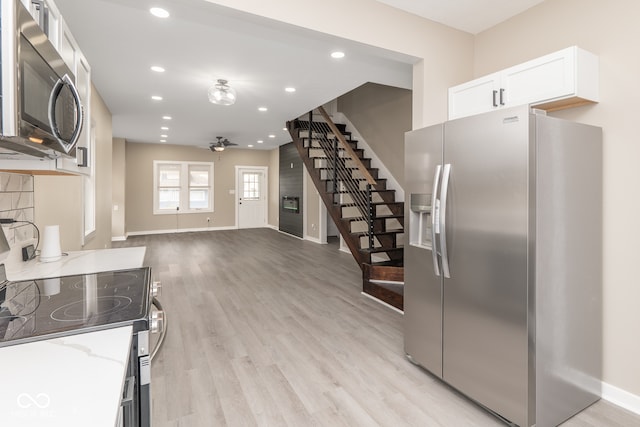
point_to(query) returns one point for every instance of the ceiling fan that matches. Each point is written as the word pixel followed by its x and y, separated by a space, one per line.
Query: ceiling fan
pixel 220 144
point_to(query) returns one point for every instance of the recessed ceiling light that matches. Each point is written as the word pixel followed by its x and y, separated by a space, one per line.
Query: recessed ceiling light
pixel 250 145
pixel 164 136
pixel 272 136
pixel 290 89
pixel 285 129
pixel 260 141
pixel 166 117
pixel 337 54
pixel 163 140
pixel 159 12
pixel 156 98
pixel 157 69
pixel 164 128
pixel 262 109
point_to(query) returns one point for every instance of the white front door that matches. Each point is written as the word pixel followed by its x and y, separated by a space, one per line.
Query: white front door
pixel 252 197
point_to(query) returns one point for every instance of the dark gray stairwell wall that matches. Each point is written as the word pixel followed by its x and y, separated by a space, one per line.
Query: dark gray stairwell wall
pixel 381 114
pixel 291 176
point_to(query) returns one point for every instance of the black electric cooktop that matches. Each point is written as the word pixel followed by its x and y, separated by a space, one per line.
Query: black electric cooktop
pixel 47 308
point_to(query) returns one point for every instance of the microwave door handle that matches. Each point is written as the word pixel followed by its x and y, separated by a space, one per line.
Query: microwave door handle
pixel 55 92
pixel 443 220
pixel 434 220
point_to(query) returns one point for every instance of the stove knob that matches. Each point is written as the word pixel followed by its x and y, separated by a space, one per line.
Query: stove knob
pixel 156 289
pixel 157 321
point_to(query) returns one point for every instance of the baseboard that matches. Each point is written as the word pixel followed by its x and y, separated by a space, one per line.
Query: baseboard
pixel 382 302
pixel 314 240
pixel 620 397
pixel 289 234
pixel 273 227
pixel 118 238
pixel 180 230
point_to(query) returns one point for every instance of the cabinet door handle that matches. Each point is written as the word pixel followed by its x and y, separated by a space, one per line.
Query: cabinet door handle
pixel 494 101
pixel 501 96
pixel 85 158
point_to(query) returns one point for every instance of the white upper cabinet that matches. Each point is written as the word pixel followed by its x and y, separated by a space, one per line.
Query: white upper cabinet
pixel 474 97
pixel 561 79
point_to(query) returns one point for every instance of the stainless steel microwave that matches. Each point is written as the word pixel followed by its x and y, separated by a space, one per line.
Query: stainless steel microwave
pixel 42 114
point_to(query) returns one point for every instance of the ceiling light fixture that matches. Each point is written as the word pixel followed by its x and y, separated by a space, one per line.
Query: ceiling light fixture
pixel 159 12
pixel 164 128
pixel 157 69
pixel 260 141
pixel 250 145
pixel 222 94
pixel 156 98
pixel 163 140
pixel 263 109
pixel 218 148
pixel 290 89
pixel 337 55
pixel 272 136
pixel 166 117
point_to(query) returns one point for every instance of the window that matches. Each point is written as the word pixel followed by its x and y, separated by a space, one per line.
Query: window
pixel 251 186
pixel 182 187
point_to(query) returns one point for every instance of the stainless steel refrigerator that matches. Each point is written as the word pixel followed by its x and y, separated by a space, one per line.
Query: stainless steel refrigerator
pixel 503 261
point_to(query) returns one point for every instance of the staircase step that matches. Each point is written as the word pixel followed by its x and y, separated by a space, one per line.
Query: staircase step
pixel 323 162
pixel 381 249
pixel 350 205
pixel 377 233
pixel 381 184
pixel 326 142
pixel 386 272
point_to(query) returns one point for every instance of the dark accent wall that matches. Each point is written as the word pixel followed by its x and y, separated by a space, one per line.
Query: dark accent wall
pixel 291 176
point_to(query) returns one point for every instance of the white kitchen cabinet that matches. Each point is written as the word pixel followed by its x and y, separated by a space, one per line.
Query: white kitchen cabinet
pixel 68 46
pixel 62 39
pixel 54 24
pixel 81 164
pixel 474 97
pixel 561 79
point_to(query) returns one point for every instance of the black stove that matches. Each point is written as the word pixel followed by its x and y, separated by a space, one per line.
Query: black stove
pixel 47 308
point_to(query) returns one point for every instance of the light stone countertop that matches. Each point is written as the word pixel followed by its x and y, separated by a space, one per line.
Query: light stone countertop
pixel 72 381
pixel 77 262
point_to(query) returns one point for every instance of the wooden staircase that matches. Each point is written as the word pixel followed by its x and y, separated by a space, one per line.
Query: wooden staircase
pixel 365 212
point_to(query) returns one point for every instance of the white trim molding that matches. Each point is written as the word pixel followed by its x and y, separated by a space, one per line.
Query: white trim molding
pixel 620 397
pixel 118 238
pixel 181 230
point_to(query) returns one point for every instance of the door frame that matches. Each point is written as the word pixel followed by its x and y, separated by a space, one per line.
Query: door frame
pixel 238 189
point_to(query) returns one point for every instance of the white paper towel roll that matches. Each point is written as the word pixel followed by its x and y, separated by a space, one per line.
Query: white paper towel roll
pixel 51 286
pixel 51 244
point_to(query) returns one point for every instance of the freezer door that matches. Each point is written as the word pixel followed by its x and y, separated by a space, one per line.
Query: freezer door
pixel 485 351
pixel 422 287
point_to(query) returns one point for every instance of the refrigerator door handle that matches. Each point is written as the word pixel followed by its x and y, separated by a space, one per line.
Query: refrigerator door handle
pixel 435 220
pixel 443 219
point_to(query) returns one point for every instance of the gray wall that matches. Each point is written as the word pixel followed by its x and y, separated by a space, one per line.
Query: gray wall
pixel 139 217
pixel 291 185
pixel 381 114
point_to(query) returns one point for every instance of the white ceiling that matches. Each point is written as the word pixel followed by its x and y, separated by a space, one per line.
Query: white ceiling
pixel 472 16
pixel 202 42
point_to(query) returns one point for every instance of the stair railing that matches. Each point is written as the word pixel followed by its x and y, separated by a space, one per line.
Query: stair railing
pixel 338 152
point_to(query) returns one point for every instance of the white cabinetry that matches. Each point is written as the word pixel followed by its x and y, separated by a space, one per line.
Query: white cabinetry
pixel 561 79
pixel 80 67
pixel 61 38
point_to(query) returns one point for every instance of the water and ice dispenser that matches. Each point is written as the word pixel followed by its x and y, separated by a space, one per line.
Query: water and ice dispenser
pixel 420 220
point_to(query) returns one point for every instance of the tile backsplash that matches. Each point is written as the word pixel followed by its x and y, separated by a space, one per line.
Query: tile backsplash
pixel 16 202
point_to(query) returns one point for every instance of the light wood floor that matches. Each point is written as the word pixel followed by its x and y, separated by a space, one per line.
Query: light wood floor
pixel 269 330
